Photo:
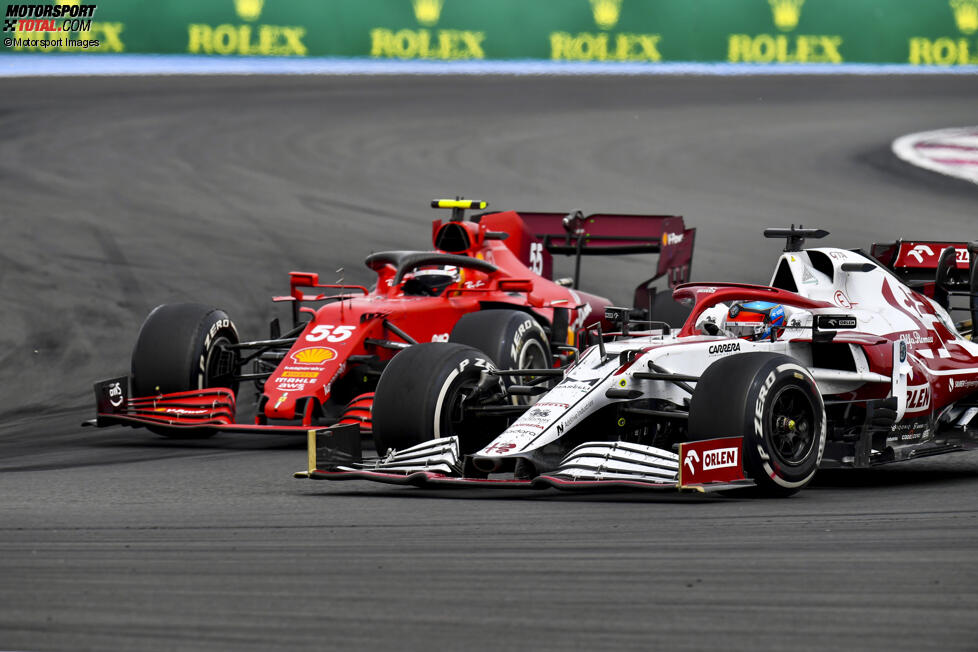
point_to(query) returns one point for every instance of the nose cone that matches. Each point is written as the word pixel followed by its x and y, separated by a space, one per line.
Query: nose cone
pixel 305 371
pixel 280 405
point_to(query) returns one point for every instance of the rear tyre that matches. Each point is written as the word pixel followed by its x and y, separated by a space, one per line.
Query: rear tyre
pixel 181 347
pixel 774 403
pixel 420 396
pixel 512 339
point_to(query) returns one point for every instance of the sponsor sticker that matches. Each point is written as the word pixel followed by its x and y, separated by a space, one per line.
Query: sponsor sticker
pixel 116 396
pixel 313 355
pixel 927 255
pixel 962 384
pixel 299 374
pixel 914 338
pixel 916 431
pixel 720 349
pixel 184 411
pixel 713 460
pixel 918 398
pixel 498 448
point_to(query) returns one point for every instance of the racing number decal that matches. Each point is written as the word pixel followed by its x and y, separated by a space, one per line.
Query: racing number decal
pixel 536 257
pixel 330 333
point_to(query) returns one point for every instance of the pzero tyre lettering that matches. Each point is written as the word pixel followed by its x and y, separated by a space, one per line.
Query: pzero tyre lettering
pixel 774 403
pixel 422 395
pixel 512 339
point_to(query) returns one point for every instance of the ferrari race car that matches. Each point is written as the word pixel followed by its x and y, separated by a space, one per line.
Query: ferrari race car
pixel 487 284
pixel 846 359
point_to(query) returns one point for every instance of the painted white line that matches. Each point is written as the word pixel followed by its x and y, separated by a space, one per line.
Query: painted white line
pixel 34 65
pixel 953 152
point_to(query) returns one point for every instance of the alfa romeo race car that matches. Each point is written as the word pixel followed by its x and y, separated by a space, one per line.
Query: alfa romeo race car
pixel 487 283
pixel 846 359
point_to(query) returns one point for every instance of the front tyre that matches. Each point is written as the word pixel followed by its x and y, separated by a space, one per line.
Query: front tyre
pixel 182 347
pixel 774 403
pixel 422 395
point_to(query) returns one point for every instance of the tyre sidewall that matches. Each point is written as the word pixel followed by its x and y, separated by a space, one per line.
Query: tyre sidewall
pixel 506 336
pixel 175 345
pixel 760 462
pixel 417 387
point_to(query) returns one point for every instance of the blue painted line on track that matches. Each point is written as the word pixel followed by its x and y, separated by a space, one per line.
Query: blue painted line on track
pixel 40 65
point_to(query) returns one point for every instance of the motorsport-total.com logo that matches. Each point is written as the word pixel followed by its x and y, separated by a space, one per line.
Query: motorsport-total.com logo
pixel 67 17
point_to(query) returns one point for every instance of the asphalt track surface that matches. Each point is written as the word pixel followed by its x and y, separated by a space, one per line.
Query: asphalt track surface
pixel 120 194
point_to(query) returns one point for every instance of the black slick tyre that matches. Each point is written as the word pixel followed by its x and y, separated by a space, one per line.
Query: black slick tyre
pixel 182 347
pixel 419 397
pixel 774 403
pixel 512 339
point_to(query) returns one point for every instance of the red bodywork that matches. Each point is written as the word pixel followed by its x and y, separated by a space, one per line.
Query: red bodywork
pixel 503 260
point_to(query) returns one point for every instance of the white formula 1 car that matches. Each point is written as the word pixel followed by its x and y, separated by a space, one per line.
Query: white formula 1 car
pixel 847 359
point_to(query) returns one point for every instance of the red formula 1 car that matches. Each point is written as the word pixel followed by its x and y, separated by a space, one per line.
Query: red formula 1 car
pixel 487 284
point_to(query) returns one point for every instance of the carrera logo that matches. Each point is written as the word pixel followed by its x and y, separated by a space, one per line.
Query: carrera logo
pixel 314 355
pixel 719 458
pixel 729 347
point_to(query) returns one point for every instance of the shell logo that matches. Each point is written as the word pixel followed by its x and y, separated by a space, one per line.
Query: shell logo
pixel 314 355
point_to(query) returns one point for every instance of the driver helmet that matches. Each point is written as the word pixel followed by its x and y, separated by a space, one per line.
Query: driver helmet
pixel 756 320
pixel 431 280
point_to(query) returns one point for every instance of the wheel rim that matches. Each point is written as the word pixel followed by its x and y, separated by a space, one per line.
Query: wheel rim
pixel 453 415
pixel 219 365
pixel 792 425
pixel 532 356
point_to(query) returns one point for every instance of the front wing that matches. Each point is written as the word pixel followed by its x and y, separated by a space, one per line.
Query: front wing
pixel 712 465
pixel 195 412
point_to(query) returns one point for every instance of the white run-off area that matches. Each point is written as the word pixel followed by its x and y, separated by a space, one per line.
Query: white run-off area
pixel 953 152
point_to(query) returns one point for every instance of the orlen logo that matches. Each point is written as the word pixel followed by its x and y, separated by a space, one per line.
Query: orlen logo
pixel 314 355
pixel 719 458
pixel 919 251
pixel 672 238
pixel 918 398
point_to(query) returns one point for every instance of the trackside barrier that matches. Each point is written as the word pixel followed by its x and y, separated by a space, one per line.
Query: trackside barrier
pixel 824 32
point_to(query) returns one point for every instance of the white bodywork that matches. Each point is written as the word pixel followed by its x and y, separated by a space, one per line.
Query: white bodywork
pixel 920 337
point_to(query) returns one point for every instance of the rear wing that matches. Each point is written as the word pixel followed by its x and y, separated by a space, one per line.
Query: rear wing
pixel 610 234
pixel 536 237
pixel 937 269
pixel 906 257
pixel 601 234
pixel 916 262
